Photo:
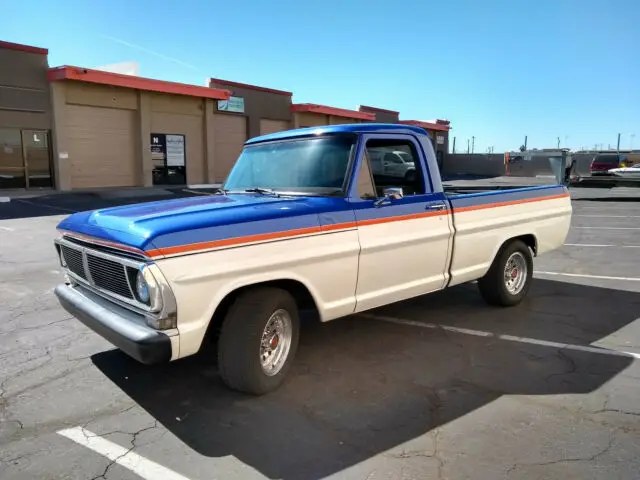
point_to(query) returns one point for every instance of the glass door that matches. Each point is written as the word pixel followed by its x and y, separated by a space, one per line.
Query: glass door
pixel 37 158
pixel 12 171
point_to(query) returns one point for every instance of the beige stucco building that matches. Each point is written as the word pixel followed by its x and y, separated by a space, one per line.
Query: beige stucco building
pixel 74 128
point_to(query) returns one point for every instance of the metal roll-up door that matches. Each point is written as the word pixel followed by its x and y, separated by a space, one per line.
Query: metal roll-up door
pixel 101 146
pixel 230 133
pixel 273 126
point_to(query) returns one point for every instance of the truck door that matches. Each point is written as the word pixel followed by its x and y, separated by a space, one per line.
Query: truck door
pixel 404 241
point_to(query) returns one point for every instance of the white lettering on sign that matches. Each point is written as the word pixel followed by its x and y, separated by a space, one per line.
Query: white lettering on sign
pixel 234 104
pixel 175 151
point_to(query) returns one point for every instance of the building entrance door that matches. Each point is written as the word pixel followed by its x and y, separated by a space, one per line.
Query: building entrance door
pixel 12 172
pixel 36 154
pixel 25 158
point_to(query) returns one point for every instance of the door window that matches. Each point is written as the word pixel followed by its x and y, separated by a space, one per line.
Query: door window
pixel 393 164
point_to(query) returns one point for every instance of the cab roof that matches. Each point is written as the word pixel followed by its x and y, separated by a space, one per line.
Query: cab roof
pixel 345 128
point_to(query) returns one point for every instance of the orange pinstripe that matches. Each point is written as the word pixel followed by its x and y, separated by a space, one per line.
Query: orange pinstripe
pixel 265 237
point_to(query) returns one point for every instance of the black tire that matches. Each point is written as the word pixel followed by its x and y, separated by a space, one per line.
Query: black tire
pixel 239 343
pixel 493 286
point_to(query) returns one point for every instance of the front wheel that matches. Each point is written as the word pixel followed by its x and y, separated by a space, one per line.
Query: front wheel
pixel 509 279
pixel 258 340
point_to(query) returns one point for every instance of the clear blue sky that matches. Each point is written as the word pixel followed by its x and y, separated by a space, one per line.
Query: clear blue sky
pixel 497 69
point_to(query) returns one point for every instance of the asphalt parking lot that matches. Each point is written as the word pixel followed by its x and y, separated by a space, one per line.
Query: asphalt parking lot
pixel 442 386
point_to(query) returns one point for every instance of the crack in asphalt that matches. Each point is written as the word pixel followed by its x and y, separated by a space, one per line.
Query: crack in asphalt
pixel 10 460
pixel 590 458
pixel 134 437
pixel 616 410
pixel 17 422
pixel 34 327
pixel 571 365
pixel 436 407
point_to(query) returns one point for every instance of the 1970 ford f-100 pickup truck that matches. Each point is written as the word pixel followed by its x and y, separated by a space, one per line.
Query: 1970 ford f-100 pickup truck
pixel 302 222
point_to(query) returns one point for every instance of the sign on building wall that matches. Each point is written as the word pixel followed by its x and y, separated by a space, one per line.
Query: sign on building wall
pixel 175 150
pixel 234 104
pixel 440 139
pixel 167 150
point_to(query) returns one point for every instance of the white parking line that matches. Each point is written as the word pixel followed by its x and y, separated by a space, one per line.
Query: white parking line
pixel 510 338
pixel 130 460
pixel 608 216
pixel 608 228
pixel 584 275
pixel 599 245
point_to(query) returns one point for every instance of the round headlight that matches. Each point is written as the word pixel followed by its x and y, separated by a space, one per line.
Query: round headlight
pixel 142 288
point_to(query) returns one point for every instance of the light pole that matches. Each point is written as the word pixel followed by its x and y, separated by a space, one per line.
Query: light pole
pixel 473 144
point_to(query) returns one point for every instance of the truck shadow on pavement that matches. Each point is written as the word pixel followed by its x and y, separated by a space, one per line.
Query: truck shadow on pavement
pixel 360 386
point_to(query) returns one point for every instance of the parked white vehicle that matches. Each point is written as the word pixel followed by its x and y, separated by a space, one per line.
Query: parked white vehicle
pixel 393 164
pixel 303 222
pixel 627 172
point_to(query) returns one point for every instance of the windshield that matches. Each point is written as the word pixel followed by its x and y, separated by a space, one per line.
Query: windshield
pixel 316 165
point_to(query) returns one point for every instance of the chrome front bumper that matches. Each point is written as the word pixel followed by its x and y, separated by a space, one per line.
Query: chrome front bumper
pixel 123 328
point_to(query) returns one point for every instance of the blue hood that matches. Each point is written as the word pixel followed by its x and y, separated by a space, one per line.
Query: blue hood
pixel 168 223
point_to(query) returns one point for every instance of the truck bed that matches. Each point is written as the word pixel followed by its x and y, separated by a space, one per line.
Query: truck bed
pixel 484 188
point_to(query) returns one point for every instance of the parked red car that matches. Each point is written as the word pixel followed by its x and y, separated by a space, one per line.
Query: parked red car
pixel 604 162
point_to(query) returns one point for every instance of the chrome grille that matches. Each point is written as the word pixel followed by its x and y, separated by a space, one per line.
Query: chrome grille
pixel 109 275
pixel 74 260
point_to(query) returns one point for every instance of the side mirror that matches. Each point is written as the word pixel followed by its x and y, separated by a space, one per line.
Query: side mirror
pixel 389 194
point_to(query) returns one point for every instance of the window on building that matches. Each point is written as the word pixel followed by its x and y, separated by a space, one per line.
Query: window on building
pixel 12 173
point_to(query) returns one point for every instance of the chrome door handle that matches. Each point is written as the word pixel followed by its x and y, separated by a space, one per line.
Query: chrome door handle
pixel 436 206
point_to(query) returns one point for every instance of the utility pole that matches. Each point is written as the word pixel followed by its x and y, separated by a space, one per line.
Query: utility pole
pixel 473 144
pixel 468 148
pixel 558 143
pixel 525 141
pixel 454 144
pixel 618 147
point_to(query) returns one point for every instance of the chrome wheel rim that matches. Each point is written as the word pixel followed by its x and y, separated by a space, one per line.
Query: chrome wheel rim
pixel 515 273
pixel 276 342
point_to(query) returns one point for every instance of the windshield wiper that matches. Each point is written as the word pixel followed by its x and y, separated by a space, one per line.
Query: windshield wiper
pixel 261 191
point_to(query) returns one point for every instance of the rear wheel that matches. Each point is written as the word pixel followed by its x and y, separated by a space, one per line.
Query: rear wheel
pixel 509 279
pixel 258 340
